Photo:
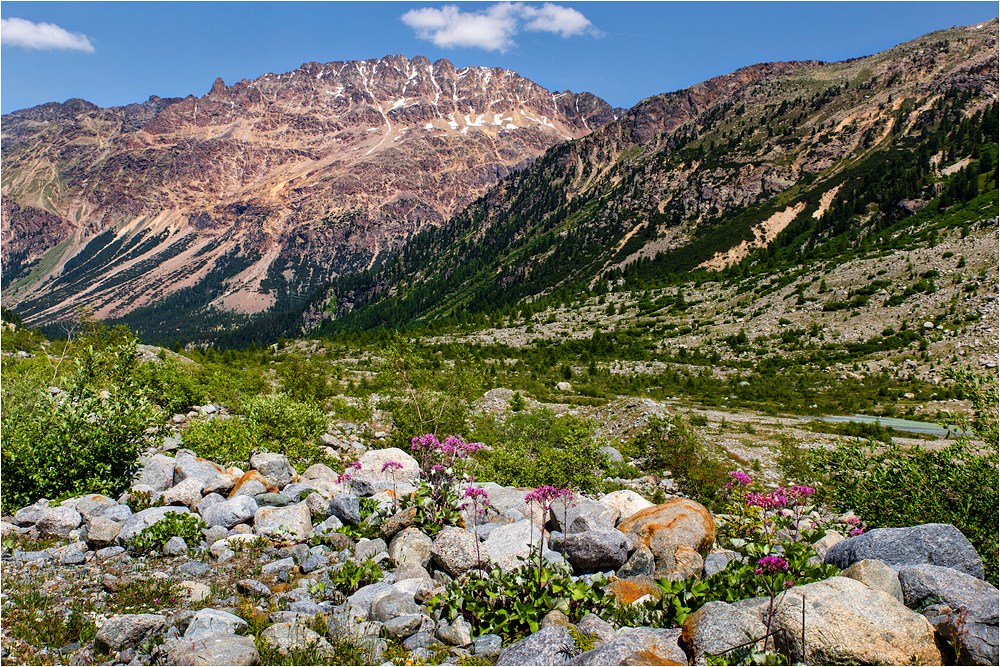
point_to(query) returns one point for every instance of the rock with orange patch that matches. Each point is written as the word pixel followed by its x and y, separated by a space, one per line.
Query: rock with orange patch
pixel 187 465
pixel 637 646
pixel 629 590
pixel 678 532
pixel 251 484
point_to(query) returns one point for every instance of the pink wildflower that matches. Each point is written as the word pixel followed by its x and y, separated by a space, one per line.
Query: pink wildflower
pixel 771 565
pixel 741 477
pixel 392 465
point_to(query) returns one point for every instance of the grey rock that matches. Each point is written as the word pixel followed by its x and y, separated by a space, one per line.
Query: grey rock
pixel 278 567
pixel 407 571
pixel 90 506
pixel 187 465
pixel 318 505
pixel 456 633
pixel 32 556
pixel 551 646
pixel 718 560
pixel 625 502
pixel 119 513
pixel 597 627
pixel 221 484
pixel 274 467
pixel 487 646
pixel 228 513
pixel 271 500
pixel 581 514
pixel 208 501
pixel 142 520
pixel 372 462
pixel 299 491
pixel 250 487
pixel 554 618
pixel 307 607
pixel 876 575
pixel 718 627
pixel 289 637
pixel 329 525
pixel 612 453
pixel 346 508
pixel 455 551
pixel 402 627
pixel 175 546
pixel 961 607
pixel 642 563
pixel 58 521
pixel 508 544
pixel 392 605
pixel 107 553
pixel 410 546
pixel 368 550
pixel 194 568
pixel 187 493
pixel 72 555
pixel 931 543
pixel 252 587
pixel 211 650
pixel 360 603
pixel 29 516
pixel 157 472
pixel 291 524
pixel 422 640
pixel 594 550
pixel 207 622
pixel 119 632
pixel 102 532
pixel 637 646
pixel 213 534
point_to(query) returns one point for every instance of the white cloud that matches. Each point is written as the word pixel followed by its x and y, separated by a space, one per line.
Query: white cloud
pixel 42 36
pixel 494 28
pixel 565 21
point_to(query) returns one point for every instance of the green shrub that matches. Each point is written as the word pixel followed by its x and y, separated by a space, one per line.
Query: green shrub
pixel 87 438
pixel 273 422
pixel 173 524
pixel 892 486
pixel 532 449
pixel 174 387
pixel 670 444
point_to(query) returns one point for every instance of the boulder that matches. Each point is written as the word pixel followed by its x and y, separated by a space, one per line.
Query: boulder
pixel 549 646
pixel 320 472
pixel 142 520
pixel 128 630
pixel 275 468
pixel 626 502
pixel 597 627
pixel 931 543
pixel 58 521
pixel 372 462
pixel 207 622
pixel 507 545
pixel 718 627
pixel 29 516
pixel 637 646
pixel 876 575
pixel 401 627
pixel 222 649
pixel 487 646
pixel 593 549
pixel 222 483
pixel 395 603
pixel 347 508
pixel 640 564
pixel 229 513
pixel 289 524
pixel 678 532
pixel 287 638
pixel 359 604
pixel 187 493
pixel 849 623
pixel 102 532
pixel 410 546
pixel 581 514
pixel 397 522
pixel 719 560
pixel 157 472
pixel 456 633
pixel 960 606
pixel 251 483
pixel 454 551
pixel 90 506
pixel 187 465
pixel 823 544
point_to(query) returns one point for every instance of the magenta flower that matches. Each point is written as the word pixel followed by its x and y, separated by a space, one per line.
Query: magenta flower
pixel 356 465
pixel 475 492
pixel 437 467
pixel 472 447
pixel 771 565
pixel 853 521
pixel 768 501
pixel 741 477
pixel 392 465
pixel 856 532
pixel 801 492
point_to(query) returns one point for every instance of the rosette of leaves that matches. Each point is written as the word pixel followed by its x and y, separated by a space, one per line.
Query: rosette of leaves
pixel 513 604
pixel 173 524
pixel 437 506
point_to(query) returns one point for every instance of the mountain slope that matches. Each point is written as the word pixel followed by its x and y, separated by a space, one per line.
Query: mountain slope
pixel 250 196
pixel 783 155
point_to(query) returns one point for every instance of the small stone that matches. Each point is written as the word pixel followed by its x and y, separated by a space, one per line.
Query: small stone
pixel 410 546
pixel 456 633
pixel 58 521
pixel 212 650
pixel 274 467
pixel 399 521
pixel 392 605
pixel 640 564
pixel 187 493
pixel 487 646
pixel 119 632
pixel 252 587
pixel 554 618
pixel 271 500
pixel 346 508
pixel 549 646
pixel 290 524
pixel 175 546
pixel 402 627
pixel 72 555
pixel 194 591
pixel 209 622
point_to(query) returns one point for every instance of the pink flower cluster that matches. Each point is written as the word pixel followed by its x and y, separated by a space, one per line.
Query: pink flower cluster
pixel 346 475
pixel 769 501
pixel 392 465
pixel 771 565
pixel 857 529
pixel 452 448
pixel 740 477
pixel 546 495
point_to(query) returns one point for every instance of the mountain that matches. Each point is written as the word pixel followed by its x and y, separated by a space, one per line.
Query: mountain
pixel 190 211
pixel 780 160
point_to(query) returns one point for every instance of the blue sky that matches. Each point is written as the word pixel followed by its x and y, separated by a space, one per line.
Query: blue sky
pixel 113 53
